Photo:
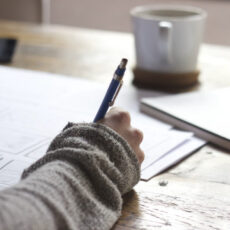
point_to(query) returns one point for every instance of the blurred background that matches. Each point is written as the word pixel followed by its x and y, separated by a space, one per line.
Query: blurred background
pixel 111 14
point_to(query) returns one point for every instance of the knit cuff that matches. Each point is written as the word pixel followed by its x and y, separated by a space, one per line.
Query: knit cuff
pixel 101 140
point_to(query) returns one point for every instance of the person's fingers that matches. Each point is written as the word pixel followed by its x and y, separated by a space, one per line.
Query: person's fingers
pixel 140 155
pixel 134 137
pixel 137 135
pixel 117 119
pixel 119 115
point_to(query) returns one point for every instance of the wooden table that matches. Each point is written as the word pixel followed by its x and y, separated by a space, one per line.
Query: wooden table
pixel 195 194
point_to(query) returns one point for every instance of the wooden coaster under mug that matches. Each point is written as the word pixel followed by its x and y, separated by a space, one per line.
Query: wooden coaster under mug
pixel 154 80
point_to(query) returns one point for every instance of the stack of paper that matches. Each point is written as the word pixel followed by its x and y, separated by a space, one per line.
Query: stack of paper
pixel 163 145
pixel 35 106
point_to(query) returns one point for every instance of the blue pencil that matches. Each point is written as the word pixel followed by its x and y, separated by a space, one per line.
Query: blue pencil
pixel 112 91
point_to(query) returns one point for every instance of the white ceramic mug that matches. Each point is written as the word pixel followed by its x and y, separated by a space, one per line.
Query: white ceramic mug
pixel 167 38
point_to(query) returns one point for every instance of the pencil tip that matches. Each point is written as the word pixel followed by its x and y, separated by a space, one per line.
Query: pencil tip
pixel 123 63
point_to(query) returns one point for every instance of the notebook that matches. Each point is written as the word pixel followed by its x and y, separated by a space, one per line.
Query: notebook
pixel 207 114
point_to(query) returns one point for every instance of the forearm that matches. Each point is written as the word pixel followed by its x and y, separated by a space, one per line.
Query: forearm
pixel 77 185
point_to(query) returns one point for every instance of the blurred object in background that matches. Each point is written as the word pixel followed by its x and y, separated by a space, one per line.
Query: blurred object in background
pixel 26 10
pixel 7 47
pixel 111 15
pixel 23 10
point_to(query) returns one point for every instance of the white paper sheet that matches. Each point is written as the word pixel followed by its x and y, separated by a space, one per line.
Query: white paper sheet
pixel 172 158
pixel 171 140
pixel 15 141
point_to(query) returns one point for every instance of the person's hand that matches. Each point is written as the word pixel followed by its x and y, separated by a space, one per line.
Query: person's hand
pixel 119 120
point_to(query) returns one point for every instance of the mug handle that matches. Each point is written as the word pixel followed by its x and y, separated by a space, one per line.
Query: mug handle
pixel 165 38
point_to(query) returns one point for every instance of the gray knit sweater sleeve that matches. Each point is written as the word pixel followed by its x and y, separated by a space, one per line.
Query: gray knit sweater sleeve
pixel 77 185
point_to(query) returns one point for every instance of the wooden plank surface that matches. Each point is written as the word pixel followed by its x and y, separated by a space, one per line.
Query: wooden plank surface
pixel 181 204
pixel 196 191
pixel 192 195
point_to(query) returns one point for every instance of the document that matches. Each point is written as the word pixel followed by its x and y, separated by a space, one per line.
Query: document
pixel 170 140
pixel 35 106
pixel 172 157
